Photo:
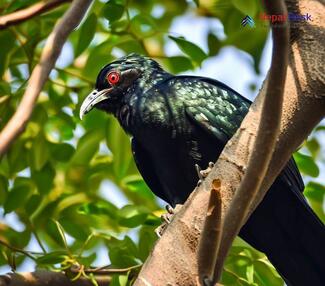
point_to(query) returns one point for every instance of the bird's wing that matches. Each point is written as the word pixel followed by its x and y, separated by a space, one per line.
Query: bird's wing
pixel 291 175
pixel 144 164
pixel 216 108
pixel 222 114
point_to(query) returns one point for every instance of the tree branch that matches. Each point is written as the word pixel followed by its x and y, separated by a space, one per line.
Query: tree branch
pixel 265 141
pixel 28 13
pixel 39 76
pixel 303 108
pixel 49 278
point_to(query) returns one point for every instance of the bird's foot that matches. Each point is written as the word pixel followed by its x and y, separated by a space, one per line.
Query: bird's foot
pixel 202 174
pixel 166 219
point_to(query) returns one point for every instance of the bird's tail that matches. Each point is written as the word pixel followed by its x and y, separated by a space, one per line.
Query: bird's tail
pixel 287 230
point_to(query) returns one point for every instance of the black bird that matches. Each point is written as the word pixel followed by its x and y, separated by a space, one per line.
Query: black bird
pixel 179 121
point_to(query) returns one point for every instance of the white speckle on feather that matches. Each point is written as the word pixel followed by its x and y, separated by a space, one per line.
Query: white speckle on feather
pixel 204 117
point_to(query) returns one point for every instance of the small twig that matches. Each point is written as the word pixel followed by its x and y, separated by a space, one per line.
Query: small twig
pixel 39 76
pixel 104 270
pixel 16 249
pixel 72 88
pixel 69 72
pixel 265 142
pixel 211 236
pixel 28 13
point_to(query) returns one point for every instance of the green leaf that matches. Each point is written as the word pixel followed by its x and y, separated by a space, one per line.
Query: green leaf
pixel 99 208
pixel 320 128
pixel 247 7
pixel 214 44
pixel 3 188
pixel 7 41
pixel 119 280
pixel 61 232
pixel 122 253
pixel 87 147
pixel 135 183
pixel 5 89
pixel 59 128
pixel 313 146
pixel 119 143
pixel 61 152
pixel 39 152
pixel 250 273
pixel 147 238
pixel 112 11
pixel 179 64
pixel 98 56
pixel 239 38
pixel 55 231
pixel 18 195
pixel 87 260
pixel 17 157
pixel 87 33
pixel 265 274
pixel 315 194
pixel 143 25
pixel 79 229
pixel 52 258
pixel 306 164
pixel 192 50
pixel 44 179
pixel 32 204
pixel 132 215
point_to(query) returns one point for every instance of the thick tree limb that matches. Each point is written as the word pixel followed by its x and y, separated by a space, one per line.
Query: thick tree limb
pixel 48 278
pixel 174 254
pixel 265 141
pixel 28 13
pixel 39 76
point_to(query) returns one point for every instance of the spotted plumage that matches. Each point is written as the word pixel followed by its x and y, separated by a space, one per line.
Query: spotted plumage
pixel 177 122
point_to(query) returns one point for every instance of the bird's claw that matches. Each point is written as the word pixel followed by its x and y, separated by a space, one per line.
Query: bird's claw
pixel 202 174
pixel 170 209
pixel 166 219
pixel 206 172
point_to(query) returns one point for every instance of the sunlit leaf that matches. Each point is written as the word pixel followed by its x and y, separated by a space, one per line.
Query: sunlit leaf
pixel 248 7
pixel 52 258
pixel 40 153
pixel 315 192
pixel 179 64
pixel 313 146
pixel 132 216
pixel 306 164
pixel 191 49
pixel 86 148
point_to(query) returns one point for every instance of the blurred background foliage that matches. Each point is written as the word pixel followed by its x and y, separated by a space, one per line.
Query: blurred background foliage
pixel 69 190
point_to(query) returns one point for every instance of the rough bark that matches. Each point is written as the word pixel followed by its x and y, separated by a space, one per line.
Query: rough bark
pixel 303 108
pixel 48 278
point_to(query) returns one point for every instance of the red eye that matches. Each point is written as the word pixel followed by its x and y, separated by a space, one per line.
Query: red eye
pixel 113 77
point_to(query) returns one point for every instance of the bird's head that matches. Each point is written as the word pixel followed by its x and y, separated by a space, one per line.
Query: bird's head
pixel 117 79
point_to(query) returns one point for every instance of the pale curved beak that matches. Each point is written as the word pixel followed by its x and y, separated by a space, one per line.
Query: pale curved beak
pixel 92 99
